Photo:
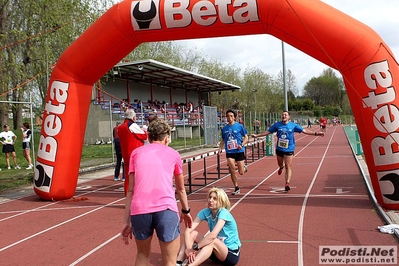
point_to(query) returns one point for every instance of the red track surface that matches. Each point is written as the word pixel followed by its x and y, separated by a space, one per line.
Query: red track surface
pixel 328 205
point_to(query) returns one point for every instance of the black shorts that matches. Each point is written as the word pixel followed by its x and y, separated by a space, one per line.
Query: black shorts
pixel 239 156
pixel 8 148
pixel 233 256
pixel 282 153
pixel 26 145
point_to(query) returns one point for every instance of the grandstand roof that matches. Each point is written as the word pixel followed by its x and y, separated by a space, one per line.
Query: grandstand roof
pixel 164 75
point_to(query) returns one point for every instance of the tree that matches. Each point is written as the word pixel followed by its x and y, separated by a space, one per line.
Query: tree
pixel 33 34
pixel 290 82
pixel 324 90
pixel 317 111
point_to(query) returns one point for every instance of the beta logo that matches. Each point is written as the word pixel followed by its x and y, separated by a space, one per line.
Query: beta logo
pixel 145 15
pixel 52 126
pixel 184 13
pixel 389 184
pixel 43 177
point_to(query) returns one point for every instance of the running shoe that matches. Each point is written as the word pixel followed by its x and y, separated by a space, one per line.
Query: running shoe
pixel 182 263
pixel 29 167
pixel 236 191
pixel 116 179
pixel 287 186
pixel 17 167
pixel 9 168
pixel 245 169
pixel 280 170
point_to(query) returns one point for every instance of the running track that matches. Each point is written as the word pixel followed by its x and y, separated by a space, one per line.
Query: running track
pixel 328 205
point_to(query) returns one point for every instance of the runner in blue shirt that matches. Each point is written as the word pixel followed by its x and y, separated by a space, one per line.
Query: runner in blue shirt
pixel 234 138
pixel 285 145
pixel 222 243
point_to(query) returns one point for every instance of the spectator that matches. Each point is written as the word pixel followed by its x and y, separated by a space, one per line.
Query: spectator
pixel 309 123
pixel 118 153
pixel 26 136
pixel 131 136
pixel 8 140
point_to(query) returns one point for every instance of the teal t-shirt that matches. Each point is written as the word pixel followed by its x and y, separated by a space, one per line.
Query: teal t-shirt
pixel 229 233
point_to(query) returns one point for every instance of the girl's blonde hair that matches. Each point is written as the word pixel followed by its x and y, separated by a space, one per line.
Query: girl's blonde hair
pixel 222 198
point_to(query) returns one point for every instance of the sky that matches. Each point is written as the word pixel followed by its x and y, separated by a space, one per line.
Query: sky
pixel 243 51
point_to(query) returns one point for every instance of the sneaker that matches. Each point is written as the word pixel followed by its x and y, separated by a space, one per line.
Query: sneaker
pixel 280 170
pixel 17 167
pixel 29 167
pixel 287 186
pixel 182 263
pixel 116 178
pixel 123 179
pixel 245 169
pixel 236 191
pixel 9 168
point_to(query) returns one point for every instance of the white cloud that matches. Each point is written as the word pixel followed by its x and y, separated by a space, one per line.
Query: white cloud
pixel 264 51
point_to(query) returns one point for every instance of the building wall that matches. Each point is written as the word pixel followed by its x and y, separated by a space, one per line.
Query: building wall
pixel 100 124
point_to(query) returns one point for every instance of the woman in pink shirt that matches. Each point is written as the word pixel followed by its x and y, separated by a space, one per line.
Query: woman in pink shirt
pixel 150 199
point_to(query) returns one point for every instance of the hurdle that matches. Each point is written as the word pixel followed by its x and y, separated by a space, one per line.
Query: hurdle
pixel 256 150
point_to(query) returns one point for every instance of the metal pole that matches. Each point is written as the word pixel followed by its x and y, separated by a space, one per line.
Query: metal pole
pixel 142 114
pixel 284 81
pixel 199 125
pixel 112 135
pixel 32 137
pixel 184 128
pixel 254 122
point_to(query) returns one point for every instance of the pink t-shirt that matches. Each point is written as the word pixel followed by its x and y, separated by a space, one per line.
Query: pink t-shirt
pixel 154 166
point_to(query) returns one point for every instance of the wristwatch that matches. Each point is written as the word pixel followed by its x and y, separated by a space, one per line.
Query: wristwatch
pixel 195 246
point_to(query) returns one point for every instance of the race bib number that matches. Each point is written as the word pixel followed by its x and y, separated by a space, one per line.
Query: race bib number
pixel 232 144
pixel 8 141
pixel 283 143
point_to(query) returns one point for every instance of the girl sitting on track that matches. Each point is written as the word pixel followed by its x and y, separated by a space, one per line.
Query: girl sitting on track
pixel 222 243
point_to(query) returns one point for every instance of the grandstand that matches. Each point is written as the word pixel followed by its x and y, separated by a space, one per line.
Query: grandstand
pixel 150 87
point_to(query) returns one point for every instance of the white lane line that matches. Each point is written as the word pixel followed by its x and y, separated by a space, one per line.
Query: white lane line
pixel 63 208
pixel 282 242
pixel 94 250
pixel 50 204
pixel 58 225
pixel 305 200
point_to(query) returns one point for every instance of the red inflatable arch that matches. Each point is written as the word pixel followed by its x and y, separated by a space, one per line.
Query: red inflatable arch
pixel 369 69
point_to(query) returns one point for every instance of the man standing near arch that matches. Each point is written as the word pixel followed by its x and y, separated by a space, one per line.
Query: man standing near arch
pixel 131 136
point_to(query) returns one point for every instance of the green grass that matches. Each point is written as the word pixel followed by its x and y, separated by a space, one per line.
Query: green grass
pixel 92 155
